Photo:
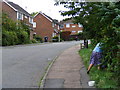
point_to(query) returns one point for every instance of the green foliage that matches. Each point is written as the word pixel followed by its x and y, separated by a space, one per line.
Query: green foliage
pixel 103 78
pixel 34 41
pixel 101 22
pixel 14 33
pixel 55 39
pixel 9 38
pixel 33 13
pixel 23 37
pixel 38 38
pixel 81 35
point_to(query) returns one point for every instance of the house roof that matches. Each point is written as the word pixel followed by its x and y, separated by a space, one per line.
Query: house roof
pixel 17 7
pixel 48 17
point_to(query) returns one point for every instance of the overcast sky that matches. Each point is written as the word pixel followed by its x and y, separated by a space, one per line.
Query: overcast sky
pixel 46 6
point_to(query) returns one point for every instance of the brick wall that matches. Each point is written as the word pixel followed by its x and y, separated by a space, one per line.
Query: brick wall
pixel 43 26
pixel 8 10
pixel 76 28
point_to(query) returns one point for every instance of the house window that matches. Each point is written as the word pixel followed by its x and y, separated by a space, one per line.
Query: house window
pixel 58 27
pixel 53 24
pixel 61 26
pixel 67 25
pixel 19 16
pixel 54 34
pixel 73 26
pixel 79 31
pixel 73 31
pixel 34 24
pixel 30 19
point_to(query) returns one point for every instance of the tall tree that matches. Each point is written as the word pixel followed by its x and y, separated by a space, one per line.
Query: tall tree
pixel 101 22
pixel 33 13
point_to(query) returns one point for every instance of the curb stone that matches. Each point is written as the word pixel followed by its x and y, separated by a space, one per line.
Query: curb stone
pixel 46 73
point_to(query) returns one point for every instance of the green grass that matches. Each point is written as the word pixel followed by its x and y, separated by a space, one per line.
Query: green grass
pixel 103 78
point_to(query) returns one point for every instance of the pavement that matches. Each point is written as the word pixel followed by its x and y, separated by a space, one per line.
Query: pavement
pixel 67 71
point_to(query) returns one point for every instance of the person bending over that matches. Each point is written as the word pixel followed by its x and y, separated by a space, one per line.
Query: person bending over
pixel 95 58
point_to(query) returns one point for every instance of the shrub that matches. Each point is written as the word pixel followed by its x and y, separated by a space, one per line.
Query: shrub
pixel 38 38
pixel 23 37
pixel 9 38
pixel 14 33
pixel 13 38
pixel 33 41
pixel 55 39
pixel 5 38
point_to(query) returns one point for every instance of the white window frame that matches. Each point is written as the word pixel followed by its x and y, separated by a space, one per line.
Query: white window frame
pixel 73 31
pixel 67 25
pixel 80 31
pixel 53 24
pixel 73 26
pixel 53 34
pixel 34 24
pixel 19 16
pixel 58 27
pixel 31 20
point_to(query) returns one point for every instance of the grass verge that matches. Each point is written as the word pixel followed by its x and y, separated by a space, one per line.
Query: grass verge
pixel 103 77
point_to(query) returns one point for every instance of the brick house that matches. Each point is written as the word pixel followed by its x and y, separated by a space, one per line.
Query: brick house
pixel 70 30
pixel 17 13
pixel 45 26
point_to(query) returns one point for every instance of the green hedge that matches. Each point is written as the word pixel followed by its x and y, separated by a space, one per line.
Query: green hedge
pixel 14 33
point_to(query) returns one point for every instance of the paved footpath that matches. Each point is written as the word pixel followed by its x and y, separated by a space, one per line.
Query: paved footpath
pixel 67 71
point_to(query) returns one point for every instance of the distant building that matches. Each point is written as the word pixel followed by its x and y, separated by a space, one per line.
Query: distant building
pixel 45 26
pixel 70 30
pixel 15 12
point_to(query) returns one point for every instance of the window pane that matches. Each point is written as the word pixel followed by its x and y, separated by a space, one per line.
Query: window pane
pixel 34 24
pixel 67 25
pixel 73 26
pixel 73 31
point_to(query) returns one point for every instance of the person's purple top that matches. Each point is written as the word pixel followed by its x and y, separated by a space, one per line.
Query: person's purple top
pixel 97 48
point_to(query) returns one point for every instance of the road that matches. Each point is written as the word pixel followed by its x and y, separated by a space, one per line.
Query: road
pixel 24 65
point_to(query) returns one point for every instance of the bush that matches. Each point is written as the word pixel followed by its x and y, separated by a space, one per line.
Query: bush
pixel 9 38
pixel 38 38
pixel 14 33
pixel 5 38
pixel 33 41
pixel 71 39
pixel 23 37
pixel 55 39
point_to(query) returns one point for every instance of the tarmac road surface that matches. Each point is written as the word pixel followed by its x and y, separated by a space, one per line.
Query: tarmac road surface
pixel 24 65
